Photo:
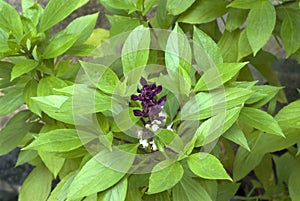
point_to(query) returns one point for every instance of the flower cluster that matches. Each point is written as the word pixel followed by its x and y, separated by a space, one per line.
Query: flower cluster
pixel 147 95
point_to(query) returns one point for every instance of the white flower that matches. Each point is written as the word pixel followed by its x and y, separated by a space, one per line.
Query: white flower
pixel 156 122
pixel 154 127
pixel 154 147
pixel 140 134
pixel 170 127
pixel 144 143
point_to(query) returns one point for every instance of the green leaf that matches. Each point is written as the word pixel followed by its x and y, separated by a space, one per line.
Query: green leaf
pixel 217 76
pixel 59 44
pixel 242 4
pixel 205 105
pixel 47 85
pixel 228 45
pixel 52 100
pixel 162 19
pixel 170 139
pixel 264 172
pixel 178 53
pixel 135 52
pixel 101 76
pixel 164 196
pixel 176 7
pixel 30 90
pixel 288 32
pixel 288 117
pixel 258 119
pixel 25 156
pixel 59 140
pixel 236 18
pixel 293 183
pixel 236 135
pixel 244 162
pixel 214 127
pixel 119 4
pixel 52 162
pixel 37 185
pixel 207 166
pixel 263 94
pixel 102 171
pixel 14 131
pixel 115 193
pixel 23 67
pixel 189 189
pixel 11 101
pixel 171 171
pixel 10 20
pixel 57 10
pixel 227 191
pixel 207 51
pixel 201 12
pixel 121 24
pixel 261 22
pixel 244 48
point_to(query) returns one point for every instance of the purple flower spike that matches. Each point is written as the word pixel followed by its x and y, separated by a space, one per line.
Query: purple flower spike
pixel 150 105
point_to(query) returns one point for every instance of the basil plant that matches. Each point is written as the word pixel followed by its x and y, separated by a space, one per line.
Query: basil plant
pixel 149 111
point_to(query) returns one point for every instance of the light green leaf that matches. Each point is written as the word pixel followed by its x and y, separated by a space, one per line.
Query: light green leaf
pixel 4 45
pixel 10 20
pixel 11 101
pixel 236 18
pixel 115 193
pixel 59 140
pixel 207 51
pixel 288 32
pixel 228 45
pixel 102 171
pixel 263 94
pixel 178 53
pixel 47 85
pixel 214 127
pixel 236 135
pixel 207 166
pixel 189 189
pixel 217 76
pixel 23 67
pixel 135 52
pixel 57 10
pixel 175 7
pixel 25 156
pixel 242 4
pixel 14 131
pixel 261 22
pixel 37 185
pixel 52 162
pixel 288 117
pixel 59 44
pixel 171 171
pixel 293 183
pixel 52 100
pixel 205 105
pixel 101 76
pixel 201 12
pixel 244 48
pixel 170 139
pixel 259 119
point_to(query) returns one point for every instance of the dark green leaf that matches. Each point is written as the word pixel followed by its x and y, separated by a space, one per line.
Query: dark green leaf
pixel 264 172
pixel 260 24
pixel 171 171
pixel 175 7
pixel 201 12
pixel 227 191
pixel 37 185
pixel 14 132
pixel 228 45
pixel 59 140
pixel 189 189
pixel 23 67
pixel 10 20
pixel 236 18
pixel 294 182
pixel 57 10
pixel 11 101
pixel 207 166
pixel 259 119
